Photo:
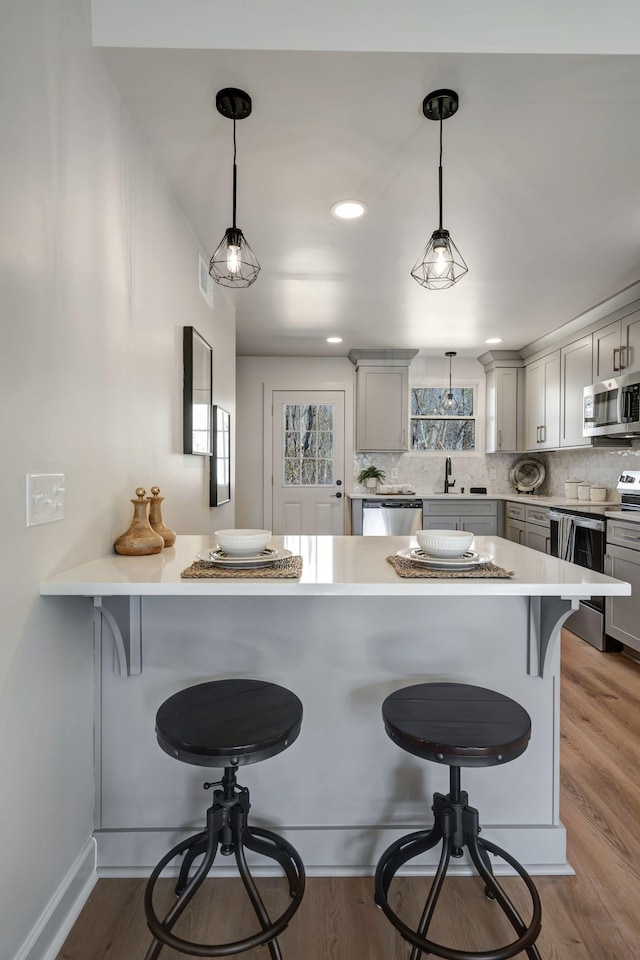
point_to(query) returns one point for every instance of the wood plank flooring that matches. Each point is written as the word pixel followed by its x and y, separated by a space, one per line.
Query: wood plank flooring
pixel 592 916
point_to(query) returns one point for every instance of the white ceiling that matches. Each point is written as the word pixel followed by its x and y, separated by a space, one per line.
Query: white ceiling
pixel 541 187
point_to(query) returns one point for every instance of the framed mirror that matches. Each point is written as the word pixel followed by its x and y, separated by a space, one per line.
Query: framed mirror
pixel 220 477
pixel 197 394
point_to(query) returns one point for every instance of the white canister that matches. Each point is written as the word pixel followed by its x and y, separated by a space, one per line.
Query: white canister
pixel 598 492
pixel 571 489
pixel 584 491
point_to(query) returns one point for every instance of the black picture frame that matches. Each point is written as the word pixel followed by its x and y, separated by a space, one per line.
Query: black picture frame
pixel 197 394
pixel 220 472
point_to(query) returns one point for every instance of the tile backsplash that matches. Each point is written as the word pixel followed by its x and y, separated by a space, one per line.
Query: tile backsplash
pixel 594 466
pixel 426 473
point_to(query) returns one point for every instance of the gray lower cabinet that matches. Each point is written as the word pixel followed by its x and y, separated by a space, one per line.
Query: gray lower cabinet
pixel 514 530
pixel 528 525
pixel 622 614
pixel 479 517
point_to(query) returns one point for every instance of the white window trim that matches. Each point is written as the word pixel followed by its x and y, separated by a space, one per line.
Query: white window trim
pixel 478 416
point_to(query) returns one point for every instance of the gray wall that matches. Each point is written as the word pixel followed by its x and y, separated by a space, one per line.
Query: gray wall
pixel 99 273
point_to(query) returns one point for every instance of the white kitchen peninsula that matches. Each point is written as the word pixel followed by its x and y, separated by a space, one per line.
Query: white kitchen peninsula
pixel 343 637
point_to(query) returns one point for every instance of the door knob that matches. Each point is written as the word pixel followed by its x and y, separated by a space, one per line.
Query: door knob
pixel 336 495
pixel 338 483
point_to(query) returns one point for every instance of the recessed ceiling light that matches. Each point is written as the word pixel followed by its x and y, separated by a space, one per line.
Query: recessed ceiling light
pixel 349 209
pixel 334 339
pixel 494 340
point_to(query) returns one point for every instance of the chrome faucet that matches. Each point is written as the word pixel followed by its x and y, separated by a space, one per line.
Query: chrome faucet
pixel 447 473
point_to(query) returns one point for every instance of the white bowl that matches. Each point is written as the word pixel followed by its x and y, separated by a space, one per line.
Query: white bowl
pixel 444 543
pixel 242 543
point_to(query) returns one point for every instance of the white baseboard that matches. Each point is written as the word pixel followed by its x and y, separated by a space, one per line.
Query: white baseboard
pixel 336 851
pixel 53 926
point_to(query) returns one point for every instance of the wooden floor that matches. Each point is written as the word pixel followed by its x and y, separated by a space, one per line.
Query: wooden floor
pixel 592 916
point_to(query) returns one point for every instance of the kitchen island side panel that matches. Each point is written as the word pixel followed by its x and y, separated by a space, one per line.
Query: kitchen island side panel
pixel 343 790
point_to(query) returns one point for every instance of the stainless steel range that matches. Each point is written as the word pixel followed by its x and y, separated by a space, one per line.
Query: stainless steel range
pixel 629 490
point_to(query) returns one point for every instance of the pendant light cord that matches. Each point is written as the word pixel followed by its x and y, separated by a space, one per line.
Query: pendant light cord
pixel 235 172
pixel 440 102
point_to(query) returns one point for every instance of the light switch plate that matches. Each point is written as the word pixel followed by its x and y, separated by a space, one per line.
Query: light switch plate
pixel 45 498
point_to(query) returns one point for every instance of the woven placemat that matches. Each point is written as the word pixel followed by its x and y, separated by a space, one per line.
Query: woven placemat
pixel 289 569
pixel 407 568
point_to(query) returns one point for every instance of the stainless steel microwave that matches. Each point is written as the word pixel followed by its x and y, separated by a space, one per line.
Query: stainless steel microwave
pixel 612 407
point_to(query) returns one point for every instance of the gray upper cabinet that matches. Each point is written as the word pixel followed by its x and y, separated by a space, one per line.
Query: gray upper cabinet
pixel 503 409
pixel 616 348
pixel 576 374
pixel 382 399
pixel 382 408
pixel 542 403
pixel 504 401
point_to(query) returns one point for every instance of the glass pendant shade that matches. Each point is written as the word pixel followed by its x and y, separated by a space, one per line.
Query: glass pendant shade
pixel 234 264
pixel 440 264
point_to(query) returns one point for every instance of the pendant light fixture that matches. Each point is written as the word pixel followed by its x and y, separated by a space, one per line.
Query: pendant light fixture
pixel 441 264
pixel 234 264
pixel 448 402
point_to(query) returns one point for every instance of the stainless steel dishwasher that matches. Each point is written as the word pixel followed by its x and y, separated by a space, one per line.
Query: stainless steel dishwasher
pixel 391 518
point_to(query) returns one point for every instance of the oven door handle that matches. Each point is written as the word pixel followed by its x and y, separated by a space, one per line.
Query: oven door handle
pixel 590 523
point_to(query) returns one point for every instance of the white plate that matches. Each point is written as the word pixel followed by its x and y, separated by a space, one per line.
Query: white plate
pixel 266 558
pixel 467 561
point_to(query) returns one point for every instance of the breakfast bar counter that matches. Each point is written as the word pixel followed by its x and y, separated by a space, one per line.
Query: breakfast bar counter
pixel 343 636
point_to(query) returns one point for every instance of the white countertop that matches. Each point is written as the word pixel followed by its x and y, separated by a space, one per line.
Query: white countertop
pixel 633 516
pixel 584 506
pixel 343 566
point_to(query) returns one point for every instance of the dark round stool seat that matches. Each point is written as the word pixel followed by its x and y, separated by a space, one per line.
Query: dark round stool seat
pixel 228 723
pixel 457 724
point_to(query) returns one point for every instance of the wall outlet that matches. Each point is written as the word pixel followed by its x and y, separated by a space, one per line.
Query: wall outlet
pixel 493 473
pixel 394 473
pixel 45 498
pixel 205 281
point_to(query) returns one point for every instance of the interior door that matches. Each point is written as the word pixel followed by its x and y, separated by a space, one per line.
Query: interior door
pixel 308 462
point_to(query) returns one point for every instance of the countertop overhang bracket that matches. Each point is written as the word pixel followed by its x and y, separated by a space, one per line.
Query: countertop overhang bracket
pixel 546 617
pixel 124 617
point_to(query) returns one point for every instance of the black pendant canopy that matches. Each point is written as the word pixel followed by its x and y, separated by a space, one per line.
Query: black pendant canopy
pixel 440 264
pixel 234 264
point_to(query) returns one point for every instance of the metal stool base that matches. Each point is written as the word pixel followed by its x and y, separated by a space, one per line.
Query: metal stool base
pixel 456 825
pixel 226 829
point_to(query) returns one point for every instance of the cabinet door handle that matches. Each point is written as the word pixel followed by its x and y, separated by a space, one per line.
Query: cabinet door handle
pixel 623 358
pixel 499 439
pixel 607 565
pixel 616 367
pixel 537 434
pixel 543 432
pixel 404 436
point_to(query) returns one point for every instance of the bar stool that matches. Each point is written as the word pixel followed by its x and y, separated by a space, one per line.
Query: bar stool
pixel 227 723
pixel 461 726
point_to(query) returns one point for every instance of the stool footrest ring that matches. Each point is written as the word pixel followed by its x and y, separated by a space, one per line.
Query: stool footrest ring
pixel 234 827
pixel 449 814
